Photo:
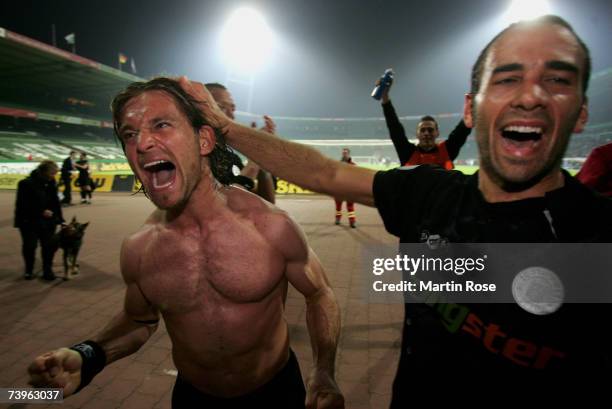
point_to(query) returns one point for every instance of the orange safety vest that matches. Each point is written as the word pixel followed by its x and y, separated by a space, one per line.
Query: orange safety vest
pixel 435 157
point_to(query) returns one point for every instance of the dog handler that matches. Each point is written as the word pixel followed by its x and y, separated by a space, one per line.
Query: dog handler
pixel 37 214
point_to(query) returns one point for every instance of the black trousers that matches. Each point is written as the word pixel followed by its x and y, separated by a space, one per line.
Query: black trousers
pixel 67 189
pixel 30 236
pixel 285 391
pixel 84 184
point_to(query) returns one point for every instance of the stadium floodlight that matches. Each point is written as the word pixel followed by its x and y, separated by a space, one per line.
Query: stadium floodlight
pixel 526 10
pixel 247 41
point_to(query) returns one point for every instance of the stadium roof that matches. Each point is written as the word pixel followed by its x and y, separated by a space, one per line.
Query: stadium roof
pixel 36 74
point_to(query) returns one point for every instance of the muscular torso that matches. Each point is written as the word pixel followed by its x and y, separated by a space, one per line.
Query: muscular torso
pixel 220 288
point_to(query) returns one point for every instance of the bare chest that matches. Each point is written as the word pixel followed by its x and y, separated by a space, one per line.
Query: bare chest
pixel 180 273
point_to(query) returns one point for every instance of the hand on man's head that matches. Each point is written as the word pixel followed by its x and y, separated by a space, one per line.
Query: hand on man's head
pixel 213 115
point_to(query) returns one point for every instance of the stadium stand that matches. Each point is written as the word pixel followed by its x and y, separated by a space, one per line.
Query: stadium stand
pixel 53 101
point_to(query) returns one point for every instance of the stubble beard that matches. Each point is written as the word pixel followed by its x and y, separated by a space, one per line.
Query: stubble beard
pixel 496 175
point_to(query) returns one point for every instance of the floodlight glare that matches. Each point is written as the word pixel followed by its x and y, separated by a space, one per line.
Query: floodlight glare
pixel 247 40
pixel 526 10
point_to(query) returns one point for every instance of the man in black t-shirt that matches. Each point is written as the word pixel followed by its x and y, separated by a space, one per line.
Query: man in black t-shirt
pixel 66 176
pixel 528 95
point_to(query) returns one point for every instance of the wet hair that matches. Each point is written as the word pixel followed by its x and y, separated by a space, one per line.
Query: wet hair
pixel 221 156
pixel 548 19
pixel 215 85
pixel 429 118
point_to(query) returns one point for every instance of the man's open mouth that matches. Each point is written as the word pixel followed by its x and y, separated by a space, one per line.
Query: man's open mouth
pixel 162 173
pixel 523 133
pixel 521 140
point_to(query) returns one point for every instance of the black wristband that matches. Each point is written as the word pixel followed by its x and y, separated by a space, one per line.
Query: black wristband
pixel 94 360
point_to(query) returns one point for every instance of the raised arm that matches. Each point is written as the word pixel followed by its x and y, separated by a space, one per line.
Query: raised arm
pixel 403 147
pixel 457 139
pixel 305 273
pixel 291 161
pixel 123 335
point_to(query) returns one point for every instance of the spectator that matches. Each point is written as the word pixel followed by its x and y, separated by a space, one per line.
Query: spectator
pixel 66 176
pixel 427 151
pixel 37 213
pixel 84 181
pixel 350 206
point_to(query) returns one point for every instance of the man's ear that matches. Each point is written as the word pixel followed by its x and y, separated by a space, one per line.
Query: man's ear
pixel 206 139
pixel 467 110
pixel 583 117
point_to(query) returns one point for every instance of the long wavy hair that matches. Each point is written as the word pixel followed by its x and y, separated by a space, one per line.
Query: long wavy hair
pixel 221 156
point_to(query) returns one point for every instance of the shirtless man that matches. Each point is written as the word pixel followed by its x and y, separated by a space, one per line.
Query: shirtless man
pixel 215 262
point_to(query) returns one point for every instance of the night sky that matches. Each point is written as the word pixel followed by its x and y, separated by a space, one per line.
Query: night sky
pixel 328 54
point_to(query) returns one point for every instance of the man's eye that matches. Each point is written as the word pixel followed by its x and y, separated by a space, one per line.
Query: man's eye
pixel 507 80
pixel 128 135
pixel 558 80
pixel 162 125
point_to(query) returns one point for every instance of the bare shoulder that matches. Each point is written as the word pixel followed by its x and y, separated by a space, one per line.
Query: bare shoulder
pixel 133 246
pixel 272 222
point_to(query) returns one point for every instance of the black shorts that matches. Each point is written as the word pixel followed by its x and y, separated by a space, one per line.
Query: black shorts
pixel 285 391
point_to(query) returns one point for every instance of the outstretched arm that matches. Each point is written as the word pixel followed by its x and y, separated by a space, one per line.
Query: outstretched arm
pixel 304 272
pixel 130 329
pixel 123 335
pixel 291 161
pixel 457 139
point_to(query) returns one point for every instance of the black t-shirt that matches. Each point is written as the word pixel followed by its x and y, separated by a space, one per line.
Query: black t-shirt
pixel 488 338
pixel 83 173
pixel 67 167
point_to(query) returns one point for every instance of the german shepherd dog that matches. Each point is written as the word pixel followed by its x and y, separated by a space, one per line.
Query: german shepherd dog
pixel 70 239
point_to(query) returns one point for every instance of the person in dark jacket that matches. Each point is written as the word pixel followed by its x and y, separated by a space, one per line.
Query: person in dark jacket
pixel 84 181
pixel 66 175
pixel 37 214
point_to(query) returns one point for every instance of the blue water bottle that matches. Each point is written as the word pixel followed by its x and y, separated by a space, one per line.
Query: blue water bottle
pixel 385 82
